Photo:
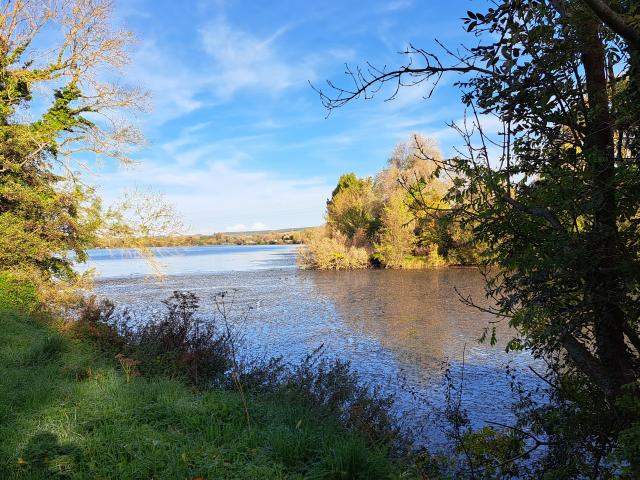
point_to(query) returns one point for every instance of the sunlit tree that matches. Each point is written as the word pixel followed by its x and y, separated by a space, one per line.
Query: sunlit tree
pixel 59 112
pixel 351 211
pixel 396 238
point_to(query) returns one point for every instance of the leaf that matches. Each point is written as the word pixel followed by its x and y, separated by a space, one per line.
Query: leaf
pixel 494 338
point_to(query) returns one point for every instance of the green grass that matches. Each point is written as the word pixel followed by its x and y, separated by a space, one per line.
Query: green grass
pixel 66 411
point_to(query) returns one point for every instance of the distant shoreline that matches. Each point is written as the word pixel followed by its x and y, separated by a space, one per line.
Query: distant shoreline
pixel 293 236
pixel 192 246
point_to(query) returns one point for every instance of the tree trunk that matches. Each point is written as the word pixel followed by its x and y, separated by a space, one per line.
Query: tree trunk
pixel 602 281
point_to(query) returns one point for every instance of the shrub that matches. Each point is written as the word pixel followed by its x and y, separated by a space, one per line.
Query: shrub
pixel 333 385
pixel 97 320
pixel 328 385
pixel 17 293
pixel 330 253
pixel 179 343
pixel 431 260
pixel 174 343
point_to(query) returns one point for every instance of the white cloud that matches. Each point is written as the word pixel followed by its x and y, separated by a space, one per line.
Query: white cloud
pixel 245 61
pixel 241 227
pixel 236 61
pixel 219 195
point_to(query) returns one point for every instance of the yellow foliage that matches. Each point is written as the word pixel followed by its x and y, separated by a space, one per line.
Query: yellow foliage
pixel 331 253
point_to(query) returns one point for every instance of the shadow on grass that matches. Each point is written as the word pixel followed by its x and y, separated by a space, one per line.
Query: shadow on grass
pixel 45 456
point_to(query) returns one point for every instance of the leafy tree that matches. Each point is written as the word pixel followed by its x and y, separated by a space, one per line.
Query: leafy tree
pixel 557 207
pixel 411 174
pixel 396 238
pixel 351 209
pixel 410 163
pixel 400 216
pixel 47 216
pixel 346 182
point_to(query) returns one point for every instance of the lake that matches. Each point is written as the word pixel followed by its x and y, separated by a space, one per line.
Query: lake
pixel 395 327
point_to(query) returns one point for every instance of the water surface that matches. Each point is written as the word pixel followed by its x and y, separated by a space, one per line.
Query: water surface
pixel 395 327
pixel 126 262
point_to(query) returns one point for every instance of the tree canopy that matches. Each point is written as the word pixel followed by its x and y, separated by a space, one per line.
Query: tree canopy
pixel 399 218
pixel 47 215
pixel 557 207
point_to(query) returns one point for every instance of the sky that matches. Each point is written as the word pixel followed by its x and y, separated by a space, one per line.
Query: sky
pixel 237 138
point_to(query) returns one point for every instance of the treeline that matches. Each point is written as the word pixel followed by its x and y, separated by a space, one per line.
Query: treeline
pixel 398 219
pixel 258 238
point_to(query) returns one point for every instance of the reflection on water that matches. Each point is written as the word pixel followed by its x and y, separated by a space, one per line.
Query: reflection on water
pixel 396 327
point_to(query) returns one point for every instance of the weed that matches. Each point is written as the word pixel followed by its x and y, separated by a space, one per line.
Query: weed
pixel 129 366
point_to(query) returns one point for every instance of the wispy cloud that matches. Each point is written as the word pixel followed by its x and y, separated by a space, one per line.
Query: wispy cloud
pixel 246 61
pixel 213 197
pixel 235 61
pixel 175 94
pixel 396 5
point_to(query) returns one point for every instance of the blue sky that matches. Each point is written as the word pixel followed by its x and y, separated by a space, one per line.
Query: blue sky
pixel 237 138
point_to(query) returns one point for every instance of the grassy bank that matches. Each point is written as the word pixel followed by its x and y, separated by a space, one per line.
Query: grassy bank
pixel 67 410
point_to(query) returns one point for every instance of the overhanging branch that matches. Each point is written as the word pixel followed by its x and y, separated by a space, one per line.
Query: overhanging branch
pixel 534 211
pixel 615 22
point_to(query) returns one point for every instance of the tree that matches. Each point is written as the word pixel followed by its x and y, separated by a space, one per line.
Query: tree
pixel 351 209
pixel 411 162
pixel 396 238
pixel 410 178
pixel 558 207
pixel 47 216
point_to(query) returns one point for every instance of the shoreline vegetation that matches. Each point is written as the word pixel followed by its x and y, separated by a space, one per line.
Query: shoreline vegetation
pixel 541 188
pixel 399 218
pixel 288 236
pixel 76 402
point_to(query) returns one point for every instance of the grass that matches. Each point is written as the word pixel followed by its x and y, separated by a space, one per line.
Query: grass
pixel 67 411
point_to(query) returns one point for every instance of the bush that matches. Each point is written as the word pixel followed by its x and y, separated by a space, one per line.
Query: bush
pixel 17 294
pixel 174 343
pixel 96 320
pixel 326 385
pixel 329 253
pixel 179 343
pixel 334 386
